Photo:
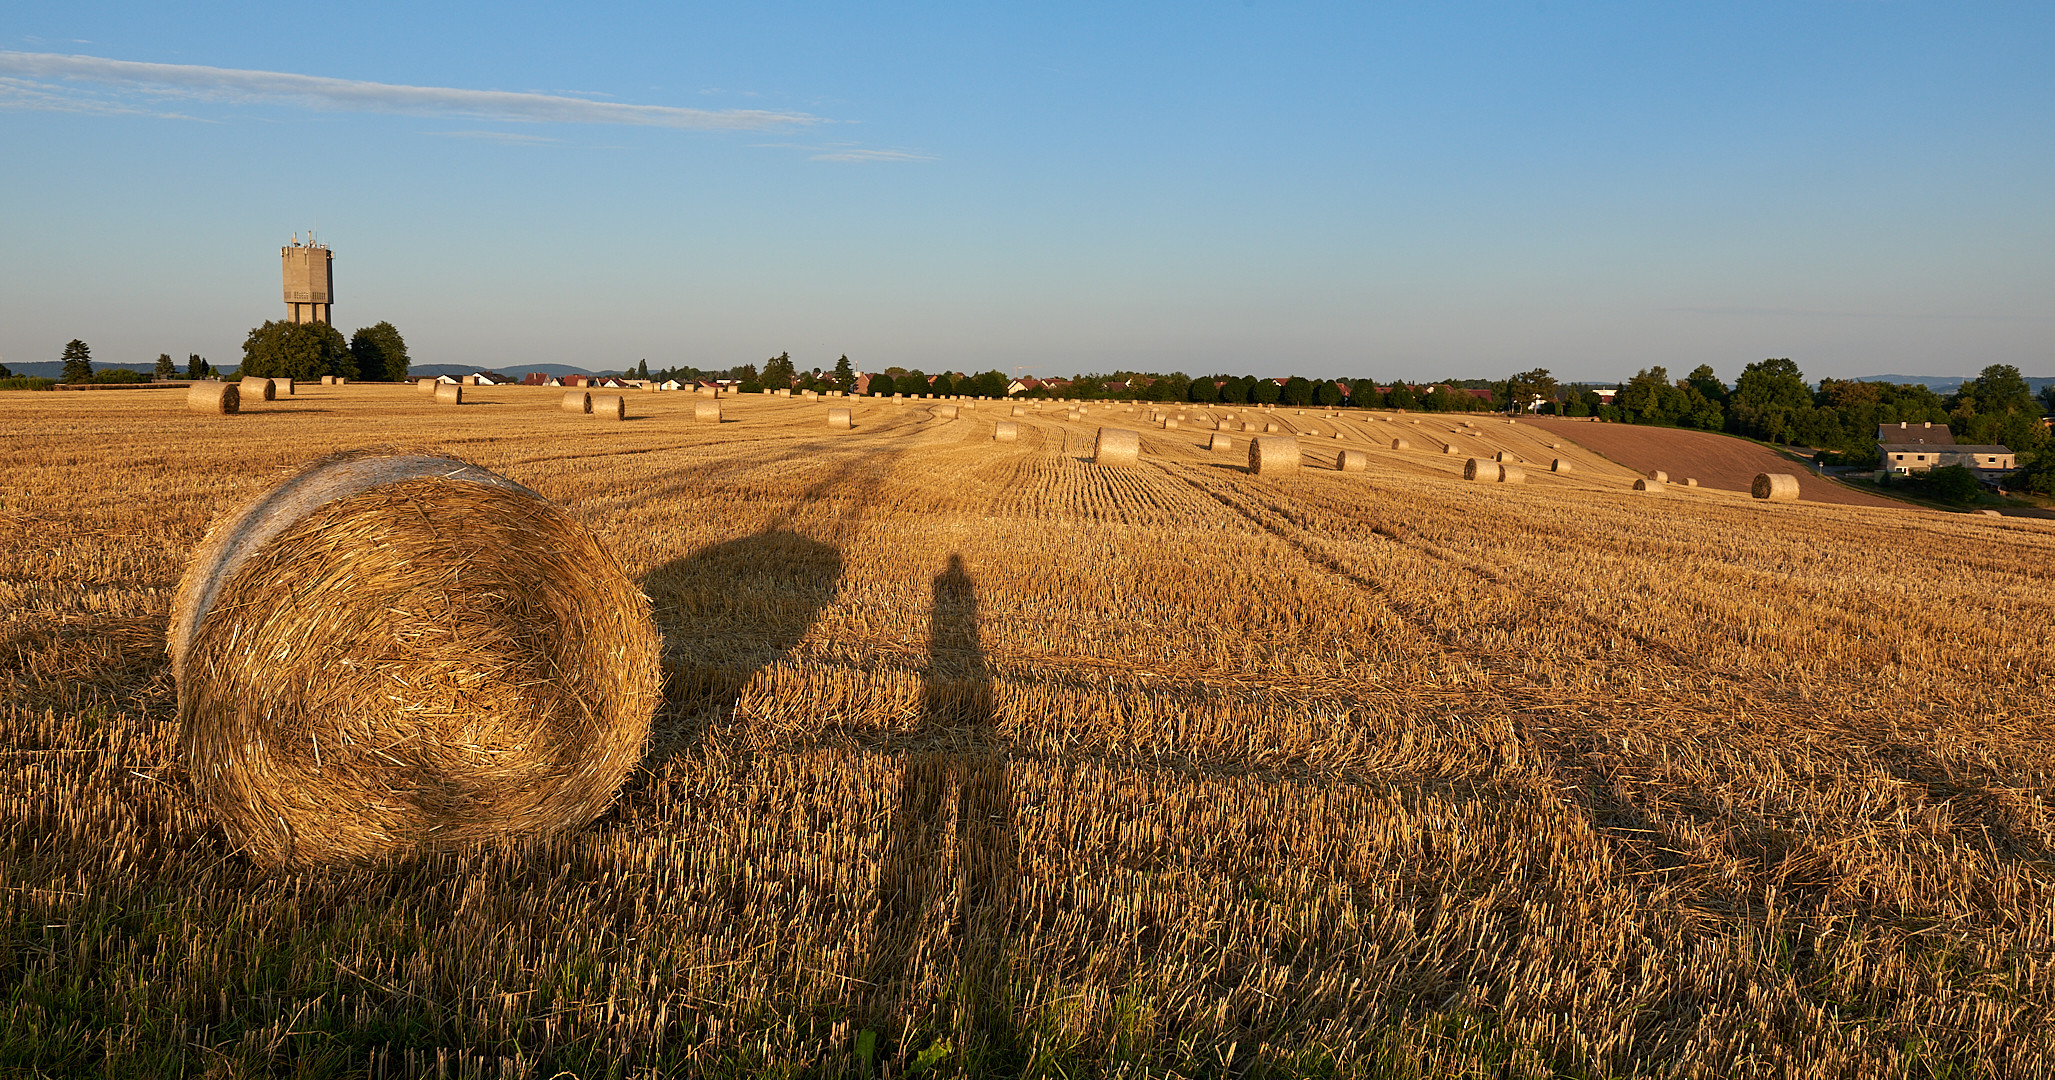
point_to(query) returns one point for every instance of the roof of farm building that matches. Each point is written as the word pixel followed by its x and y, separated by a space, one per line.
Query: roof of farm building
pixel 1903 434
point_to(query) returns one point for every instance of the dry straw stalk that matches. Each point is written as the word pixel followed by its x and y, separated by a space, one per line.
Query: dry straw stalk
pixel 401 652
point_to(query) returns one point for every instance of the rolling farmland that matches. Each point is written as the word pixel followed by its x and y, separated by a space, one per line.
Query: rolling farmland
pixel 1716 460
pixel 979 758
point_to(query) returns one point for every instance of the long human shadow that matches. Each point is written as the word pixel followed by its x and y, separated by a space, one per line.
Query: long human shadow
pixel 956 778
pixel 725 612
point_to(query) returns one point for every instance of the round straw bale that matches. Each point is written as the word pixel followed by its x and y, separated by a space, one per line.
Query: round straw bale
pixel 1478 468
pixel 282 387
pixel 706 412
pixel 1220 442
pixel 1117 446
pixel 1646 484
pixel 840 419
pixel 1449 448
pixel 255 389
pixel 1073 415
pixel 1511 474
pixel 1776 487
pixel 1504 455
pixel 1170 423
pixel 1273 454
pixel 1272 428
pixel 1019 411
pixel 1659 476
pixel 1555 446
pixel 610 406
pixel 1991 513
pixel 426 387
pixel 449 395
pixel 945 412
pixel 1401 444
pixel 219 398
pixel 577 401
pixel 328 380
pixel 1561 465
pixel 1691 481
pixel 1005 431
pixel 394 653
pixel 1352 461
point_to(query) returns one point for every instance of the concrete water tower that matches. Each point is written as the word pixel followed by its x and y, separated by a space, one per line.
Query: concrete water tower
pixel 309 279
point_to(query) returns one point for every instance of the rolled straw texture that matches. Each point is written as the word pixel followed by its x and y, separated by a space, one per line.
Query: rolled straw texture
pixel 1478 468
pixel 1645 484
pixel 1776 487
pixel 395 653
pixel 1220 442
pixel 449 395
pixel 1561 465
pixel 1005 431
pixel 610 406
pixel 1117 446
pixel 1273 454
pixel 1511 474
pixel 840 418
pixel 255 389
pixel 706 412
pixel 577 401
pixel 282 387
pixel 218 398
pixel 1352 461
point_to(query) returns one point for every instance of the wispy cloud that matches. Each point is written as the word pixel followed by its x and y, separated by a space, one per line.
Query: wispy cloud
pixel 848 152
pixel 511 138
pixel 32 88
pixel 1810 313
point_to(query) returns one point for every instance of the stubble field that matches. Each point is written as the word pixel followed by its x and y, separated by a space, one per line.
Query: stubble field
pixel 978 758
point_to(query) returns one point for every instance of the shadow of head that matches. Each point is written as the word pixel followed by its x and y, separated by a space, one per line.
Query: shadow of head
pixel 726 611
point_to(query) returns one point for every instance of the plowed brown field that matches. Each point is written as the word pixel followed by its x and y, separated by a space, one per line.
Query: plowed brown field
pixel 1718 461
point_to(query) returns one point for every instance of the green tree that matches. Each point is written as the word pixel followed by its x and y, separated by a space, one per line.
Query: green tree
pixel 991 384
pixel 1768 400
pixel 1328 394
pixel 1523 388
pixel 778 373
pixel 1403 396
pixel 197 366
pixel 380 353
pixel 845 374
pixel 1998 407
pixel 78 362
pixel 1363 394
pixel 1706 382
pixel 913 384
pixel 881 385
pixel 1264 391
pixel 292 350
pixel 642 369
pixel 943 386
pixel 1296 391
pixel 165 367
pixel 1204 391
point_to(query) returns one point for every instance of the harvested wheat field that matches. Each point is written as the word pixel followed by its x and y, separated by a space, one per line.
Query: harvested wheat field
pixel 977 758
pixel 1719 461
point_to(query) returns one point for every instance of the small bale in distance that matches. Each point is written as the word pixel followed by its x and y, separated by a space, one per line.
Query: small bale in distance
pixel 1272 428
pixel 706 412
pixel 1005 431
pixel 1351 461
pixel 255 389
pixel 840 419
pixel 1117 446
pixel 1170 423
pixel 1561 465
pixel 1691 481
pixel 1274 454
pixel 1401 444
pixel 1659 476
pixel 1019 411
pixel 1220 442
pixel 576 401
pixel 426 387
pixel 610 407
pixel 1505 455
pixel 1449 448
pixel 328 380
pixel 945 412
pixel 215 398
pixel 1775 487
pixel 449 395
pixel 1646 484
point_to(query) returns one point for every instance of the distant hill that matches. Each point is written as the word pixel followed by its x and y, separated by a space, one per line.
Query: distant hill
pixel 1945 384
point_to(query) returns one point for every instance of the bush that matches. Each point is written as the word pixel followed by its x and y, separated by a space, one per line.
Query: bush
pixel 27 382
pixel 1949 483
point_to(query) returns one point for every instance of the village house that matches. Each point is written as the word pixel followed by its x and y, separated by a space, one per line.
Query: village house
pixel 1908 448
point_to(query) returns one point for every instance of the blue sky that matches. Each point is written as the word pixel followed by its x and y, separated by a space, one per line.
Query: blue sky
pixel 1389 191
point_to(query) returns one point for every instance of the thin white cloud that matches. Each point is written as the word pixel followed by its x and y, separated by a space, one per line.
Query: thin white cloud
pixel 34 89
pixel 848 152
pixel 27 94
pixel 511 138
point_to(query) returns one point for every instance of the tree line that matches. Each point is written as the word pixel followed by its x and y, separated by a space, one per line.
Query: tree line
pixel 289 350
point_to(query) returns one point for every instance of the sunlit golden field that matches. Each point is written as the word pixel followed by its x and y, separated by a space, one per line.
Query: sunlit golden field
pixel 979 758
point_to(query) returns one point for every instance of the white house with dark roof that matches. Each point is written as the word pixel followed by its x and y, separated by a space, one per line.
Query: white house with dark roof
pixel 1911 448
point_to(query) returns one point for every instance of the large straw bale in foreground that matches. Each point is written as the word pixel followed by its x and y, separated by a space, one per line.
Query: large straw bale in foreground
pixel 1776 487
pixel 390 653
pixel 217 398
pixel 255 389
pixel 1117 446
pixel 449 395
pixel 1273 455
pixel 577 401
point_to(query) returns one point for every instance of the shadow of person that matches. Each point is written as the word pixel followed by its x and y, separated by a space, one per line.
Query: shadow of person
pixel 725 612
pixel 955 779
